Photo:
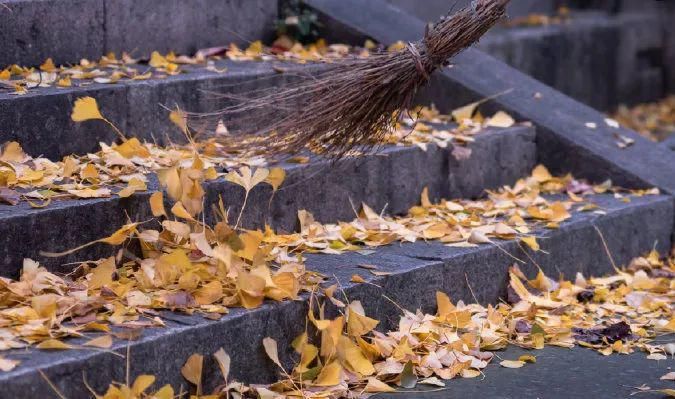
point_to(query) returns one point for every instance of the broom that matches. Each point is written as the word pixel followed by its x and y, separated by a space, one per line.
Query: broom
pixel 356 102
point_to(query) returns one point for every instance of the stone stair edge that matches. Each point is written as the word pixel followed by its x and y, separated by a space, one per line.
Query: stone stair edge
pixel 40 120
pixel 561 122
pixel 462 272
pixel 394 178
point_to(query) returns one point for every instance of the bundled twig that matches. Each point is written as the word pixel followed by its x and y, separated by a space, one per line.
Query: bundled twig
pixel 357 101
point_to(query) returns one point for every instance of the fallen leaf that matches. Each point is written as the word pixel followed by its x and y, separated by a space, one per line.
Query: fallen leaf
pixel 408 377
pixel 9 196
pixel 8 364
pixel 512 364
pixel 330 375
pixel 531 242
pixel 376 386
pixel 157 204
pixel 53 344
pixel 275 178
pixel 528 359
pixel 223 360
pixel 501 119
pixel 669 376
pixel 142 383
pixel 85 109
pixel 192 370
pixel 270 346
pixel 104 342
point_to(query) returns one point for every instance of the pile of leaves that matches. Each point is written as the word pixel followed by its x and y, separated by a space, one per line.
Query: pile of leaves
pixel 508 213
pixel 111 69
pixel 655 121
pixel 346 357
pixel 122 169
pixel 186 265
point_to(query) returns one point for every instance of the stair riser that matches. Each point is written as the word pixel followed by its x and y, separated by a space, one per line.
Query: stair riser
pixel 391 180
pixel 41 120
pixel 576 247
pixel 69 30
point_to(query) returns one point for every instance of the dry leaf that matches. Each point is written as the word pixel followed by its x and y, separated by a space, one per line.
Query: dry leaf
pixel 192 370
pixel 276 178
pixel 157 204
pixel 223 360
pixel 512 364
pixel 53 344
pixel 501 119
pixel 104 341
pixel 85 109
pixel 270 346
pixel 8 364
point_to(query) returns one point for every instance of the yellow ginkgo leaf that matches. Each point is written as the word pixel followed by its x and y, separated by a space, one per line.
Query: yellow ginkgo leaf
pixel 53 344
pixel 157 60
pixel 142 383
pixel 276 178
pixel 272 351
pixel 330 375
pixel 465 112
pixel 531 242
pixel 85 109
pixel 179 118
pixel 104 342
pixel 512 364
pixel 157 204
pixel 501 119
pixel 247 179
pixel 192 370
pixel 223 360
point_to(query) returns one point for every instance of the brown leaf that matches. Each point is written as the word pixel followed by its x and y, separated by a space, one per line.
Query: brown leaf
pixel 9 196
pixel 192 370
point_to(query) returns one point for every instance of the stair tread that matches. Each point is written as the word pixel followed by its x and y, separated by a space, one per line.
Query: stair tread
pixel 394 177
pixel 418 270
pixel 558 374
pixel 40 119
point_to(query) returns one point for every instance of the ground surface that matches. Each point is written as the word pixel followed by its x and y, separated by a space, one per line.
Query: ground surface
pixel 558 373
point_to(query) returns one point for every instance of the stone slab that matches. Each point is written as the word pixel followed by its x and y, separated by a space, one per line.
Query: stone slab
pixel 558 374
pixel 391 180
pixel 621 50
pixel 565 142
pixel 418 270
pixel 40 120
pixel 69 30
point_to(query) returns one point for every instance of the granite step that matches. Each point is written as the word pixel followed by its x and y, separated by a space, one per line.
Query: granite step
pixel 40 119
pixel 417 271
pixel 69 30
pixel 390 179
pixel 558 374
pixel 571 137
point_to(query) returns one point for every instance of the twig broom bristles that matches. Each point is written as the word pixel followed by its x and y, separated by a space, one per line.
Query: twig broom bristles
pixel 357 101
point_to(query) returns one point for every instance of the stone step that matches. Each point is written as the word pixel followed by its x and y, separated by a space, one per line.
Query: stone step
pixel 571 137
pixel 625 51
pixel 558 374
pixel 40 120
pixel 391 179
pixel 69 30
pixel 418 271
